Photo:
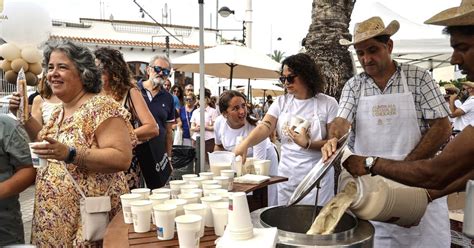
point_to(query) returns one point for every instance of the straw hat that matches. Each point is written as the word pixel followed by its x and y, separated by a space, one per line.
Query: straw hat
pixel 371 28
pixel 457 16
pixel 467 83
pixel 451 87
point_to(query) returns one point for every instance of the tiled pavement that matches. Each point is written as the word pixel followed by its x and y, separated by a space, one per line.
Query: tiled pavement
pixel 27 198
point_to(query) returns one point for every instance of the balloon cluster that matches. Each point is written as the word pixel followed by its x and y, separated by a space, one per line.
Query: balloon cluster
pixel 24 25
pixel 29 58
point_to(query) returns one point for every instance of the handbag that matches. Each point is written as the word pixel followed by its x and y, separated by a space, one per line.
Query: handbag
pixel 94 213
pixel 178 137
pixel 154 162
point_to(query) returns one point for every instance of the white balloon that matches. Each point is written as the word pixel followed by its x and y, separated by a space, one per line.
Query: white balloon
pixel 9 51
pixel 25 23
pixel 31 54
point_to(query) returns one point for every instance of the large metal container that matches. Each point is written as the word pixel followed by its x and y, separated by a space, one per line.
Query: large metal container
pixel 293 222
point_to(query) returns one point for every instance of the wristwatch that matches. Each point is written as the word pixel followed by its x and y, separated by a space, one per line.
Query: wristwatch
pixel 72 155
pixel 369 163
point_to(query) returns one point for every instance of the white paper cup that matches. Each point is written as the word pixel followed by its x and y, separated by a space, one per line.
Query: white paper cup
pixel 230 174
pixel 126 199
pixel 206 175
pixel 38 163
pixel 262 167
pixel 165 214
pixel 197 181
pixel 207 189
pixel 162 191
pixel 240 224
pixel 196 191
pixel 184 188
pixel 189 197
pixel 220 216
pixel 157 199
pixel 187 177
pixel 223 193
pixel 175 186
pixel 209 182
pixel 295 121
pixel 197 209
pixel 223 181
pixel 305 124
pixel 179 203
pixel 144 192
pixel 141 212
pixel 188 227
pixel 207 201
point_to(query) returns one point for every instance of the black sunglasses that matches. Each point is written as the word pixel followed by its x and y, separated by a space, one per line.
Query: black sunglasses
pixel 165 71
pixel 289 78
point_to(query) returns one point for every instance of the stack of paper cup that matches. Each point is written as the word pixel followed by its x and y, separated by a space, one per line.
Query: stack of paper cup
pixel 141 212
pixel 240 224
pixel 162 191
pixel 179 203
pixel 262 167
pixel 157 199
pixel 165 214
pixel 126 199
pixel 188 227
pixel 223 181
pixel 38 163
pixel 198 209
pixel 230 174
pixel 175 186
pixel 207 189
pixel 220 216
pixel 187 177
pixel 305 124
pixel 207 201
pixel 206 175
pixel 145 192
pixel 189 197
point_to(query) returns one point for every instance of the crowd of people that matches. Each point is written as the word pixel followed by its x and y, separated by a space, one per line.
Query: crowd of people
pixel 107 134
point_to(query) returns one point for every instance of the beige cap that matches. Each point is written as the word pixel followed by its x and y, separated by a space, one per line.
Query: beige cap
pixel 457 16
pixel 371 28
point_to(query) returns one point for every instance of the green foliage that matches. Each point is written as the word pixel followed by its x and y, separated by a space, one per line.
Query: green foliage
pixel 456 82
pixel 277 55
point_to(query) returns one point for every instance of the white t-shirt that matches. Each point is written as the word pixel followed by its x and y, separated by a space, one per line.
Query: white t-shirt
pixel 210 114
pixel 468 117
pixel 227 137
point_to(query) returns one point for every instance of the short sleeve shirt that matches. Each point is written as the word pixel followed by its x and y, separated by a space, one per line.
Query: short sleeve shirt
pixel 210 115
pixel 429 102
pixel 468 117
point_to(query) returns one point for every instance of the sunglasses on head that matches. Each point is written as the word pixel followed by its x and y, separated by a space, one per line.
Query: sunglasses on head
pixel 165 71
pixel 290 79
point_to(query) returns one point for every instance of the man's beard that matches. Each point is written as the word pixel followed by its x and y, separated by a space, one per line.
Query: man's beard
pixel 157 82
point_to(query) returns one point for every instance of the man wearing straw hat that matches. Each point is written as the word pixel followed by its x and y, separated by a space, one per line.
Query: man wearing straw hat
pixel 450 170
pixel 398 112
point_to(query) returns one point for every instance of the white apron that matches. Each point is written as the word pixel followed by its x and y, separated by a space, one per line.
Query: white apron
pixel 387 127
pixel 296 161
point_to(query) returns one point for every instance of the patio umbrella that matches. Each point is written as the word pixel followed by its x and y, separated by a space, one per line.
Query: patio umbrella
pixel 230 61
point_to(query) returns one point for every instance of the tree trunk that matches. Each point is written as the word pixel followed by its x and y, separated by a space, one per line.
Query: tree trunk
pixel 330 22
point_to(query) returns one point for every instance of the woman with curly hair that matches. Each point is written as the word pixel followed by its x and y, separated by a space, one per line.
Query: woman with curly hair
pixel 117 83
pixel 178 92
pixel 300 149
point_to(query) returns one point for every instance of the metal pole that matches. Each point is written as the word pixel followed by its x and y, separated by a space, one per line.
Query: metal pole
pixel 248 23
pixel 202 106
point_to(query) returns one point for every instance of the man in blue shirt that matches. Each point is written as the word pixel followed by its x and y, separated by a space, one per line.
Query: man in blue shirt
pixel 161 105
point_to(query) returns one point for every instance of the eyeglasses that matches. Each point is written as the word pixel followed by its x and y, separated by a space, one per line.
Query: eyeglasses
pixel 188 99
pixel 290 79
pixel 165 71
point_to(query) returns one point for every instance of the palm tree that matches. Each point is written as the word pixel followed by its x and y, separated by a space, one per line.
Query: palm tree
pixel 330 22
pixel 277 55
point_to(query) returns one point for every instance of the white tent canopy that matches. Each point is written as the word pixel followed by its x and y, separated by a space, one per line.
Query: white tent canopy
pixel 418 44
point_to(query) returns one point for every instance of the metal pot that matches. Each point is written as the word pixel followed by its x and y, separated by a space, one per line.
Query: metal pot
pixel 293 222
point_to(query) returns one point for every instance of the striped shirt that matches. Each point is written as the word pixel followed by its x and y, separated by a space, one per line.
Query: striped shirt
pixel 429 102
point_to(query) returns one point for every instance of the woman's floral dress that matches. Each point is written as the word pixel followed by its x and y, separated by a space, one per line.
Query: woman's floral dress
pixel 56 217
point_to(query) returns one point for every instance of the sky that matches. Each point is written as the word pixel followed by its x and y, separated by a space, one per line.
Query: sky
pixel 272 19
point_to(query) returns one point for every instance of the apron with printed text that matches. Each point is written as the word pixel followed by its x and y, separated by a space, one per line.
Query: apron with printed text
pixel 296 161
pixel 387 127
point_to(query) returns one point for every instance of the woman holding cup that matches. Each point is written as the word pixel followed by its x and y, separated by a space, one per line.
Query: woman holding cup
pixel 235 122
pixel 299 150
